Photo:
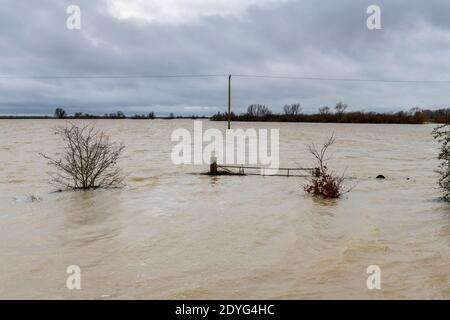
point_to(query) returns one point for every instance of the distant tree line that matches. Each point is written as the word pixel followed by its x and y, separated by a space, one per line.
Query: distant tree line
pixel 60 113
pixel 294 113
pixel 291 113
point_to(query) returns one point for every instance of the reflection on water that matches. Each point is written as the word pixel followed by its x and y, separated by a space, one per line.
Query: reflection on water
pixel 174 234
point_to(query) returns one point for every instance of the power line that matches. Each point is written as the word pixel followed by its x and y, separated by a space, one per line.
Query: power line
pixel 128 76
pixel 336 79
pixel 219 75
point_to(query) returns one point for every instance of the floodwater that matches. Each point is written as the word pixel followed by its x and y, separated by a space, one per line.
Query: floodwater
pixel 171 234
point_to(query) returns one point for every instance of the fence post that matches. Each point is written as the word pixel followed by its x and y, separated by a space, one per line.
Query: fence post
pixel 317 172
pixel 213 166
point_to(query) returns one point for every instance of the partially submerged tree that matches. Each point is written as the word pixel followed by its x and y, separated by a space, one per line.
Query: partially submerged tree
pixel 324 183
pixel 89 161
pixel 442 135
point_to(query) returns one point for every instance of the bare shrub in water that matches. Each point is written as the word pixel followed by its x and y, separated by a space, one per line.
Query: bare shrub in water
pixel 324 184
pixel 442 135
pixel 89 160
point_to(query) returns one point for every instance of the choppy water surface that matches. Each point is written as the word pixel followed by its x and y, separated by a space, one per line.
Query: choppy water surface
pixel 171 234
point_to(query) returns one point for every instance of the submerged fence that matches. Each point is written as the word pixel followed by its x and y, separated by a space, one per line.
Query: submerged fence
pixel 241 170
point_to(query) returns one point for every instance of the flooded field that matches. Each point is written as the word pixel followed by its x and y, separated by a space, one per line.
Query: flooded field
pixel 171 234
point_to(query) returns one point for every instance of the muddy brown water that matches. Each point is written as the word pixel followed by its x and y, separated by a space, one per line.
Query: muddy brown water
pixel 171 234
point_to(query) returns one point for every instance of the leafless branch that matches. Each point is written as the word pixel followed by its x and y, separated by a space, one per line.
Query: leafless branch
pixel 325 184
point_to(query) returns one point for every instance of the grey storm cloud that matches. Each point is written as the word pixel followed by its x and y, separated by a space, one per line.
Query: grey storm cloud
pixel 312 38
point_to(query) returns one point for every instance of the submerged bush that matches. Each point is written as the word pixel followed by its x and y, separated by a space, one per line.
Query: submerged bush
pixel 89 160
pixel 442 135
pixel 324 184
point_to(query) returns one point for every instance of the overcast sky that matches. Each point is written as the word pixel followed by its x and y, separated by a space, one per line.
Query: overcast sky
pixel 312 38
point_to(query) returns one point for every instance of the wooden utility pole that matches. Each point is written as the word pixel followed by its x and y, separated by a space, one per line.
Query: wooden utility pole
pixel 229 102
